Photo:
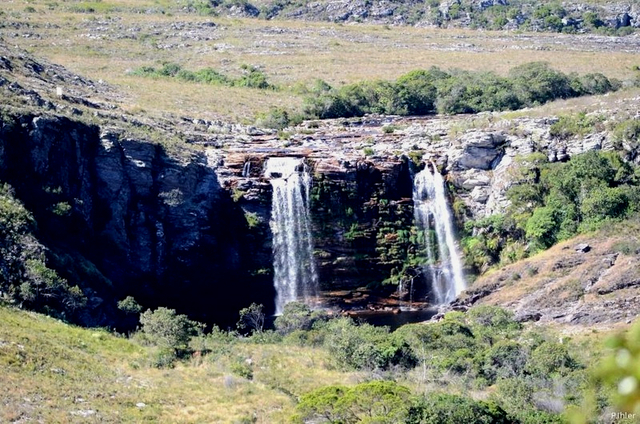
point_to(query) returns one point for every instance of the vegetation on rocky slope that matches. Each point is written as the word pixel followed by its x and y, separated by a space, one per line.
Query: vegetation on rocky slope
pixel 424 92
pixel 551 202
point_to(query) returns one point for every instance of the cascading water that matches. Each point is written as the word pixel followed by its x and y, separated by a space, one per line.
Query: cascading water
pixel 431 212
pixel 295 276
pixel 246 169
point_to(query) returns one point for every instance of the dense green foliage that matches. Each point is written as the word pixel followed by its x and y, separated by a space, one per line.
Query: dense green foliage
pixel 251 76
pixel 25 278
pixel 419 92
pixel 551 202
pixel 373 402
pixel 482 348
pixel 252 318
pixel 169 332
pixel 298 316
pixel 429 91
pixel 621 369
pixel 388 402
pixel 365 346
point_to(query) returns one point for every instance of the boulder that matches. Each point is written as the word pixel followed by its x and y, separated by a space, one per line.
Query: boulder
pixel 480 150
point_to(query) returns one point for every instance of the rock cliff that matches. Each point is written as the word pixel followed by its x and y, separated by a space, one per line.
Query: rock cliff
pixel 125 209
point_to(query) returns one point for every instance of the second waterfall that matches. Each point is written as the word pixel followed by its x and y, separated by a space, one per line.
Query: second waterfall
pixel 295 276
pixel 431 211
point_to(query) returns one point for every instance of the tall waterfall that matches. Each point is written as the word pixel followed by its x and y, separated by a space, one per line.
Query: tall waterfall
pixel 295 276
pixel 431 212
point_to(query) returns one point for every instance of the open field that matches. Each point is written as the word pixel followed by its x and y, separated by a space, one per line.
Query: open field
pixel 117 38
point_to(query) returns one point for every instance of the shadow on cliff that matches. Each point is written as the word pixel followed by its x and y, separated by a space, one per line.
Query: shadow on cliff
pixel 122 217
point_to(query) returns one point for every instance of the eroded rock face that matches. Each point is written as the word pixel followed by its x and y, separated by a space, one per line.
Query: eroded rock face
pixel 153 226
pixel 192 231
pixel 568 286
pixel 121 216
pixel 480 150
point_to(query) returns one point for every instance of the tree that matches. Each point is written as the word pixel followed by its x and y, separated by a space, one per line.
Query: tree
pixel 542 226
pixel 251 318
pixel 129 305
pixel 537 83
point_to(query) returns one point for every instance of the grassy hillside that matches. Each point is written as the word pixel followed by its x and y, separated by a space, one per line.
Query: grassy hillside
pixel 56 373
pixel 119 36
pixel 482 361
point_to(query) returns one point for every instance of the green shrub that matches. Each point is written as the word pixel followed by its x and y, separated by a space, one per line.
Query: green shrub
pixel 298 316
pixel 542 227
pixel 252 77
pixel 423 92
pixel 252 318
pixel 550 358
pixel 170 69
pixel 382 402
pixel 604 202
pixel 276 118
pixel 162 357
pixel 627 132
pixel 441 408
pixel 505 359
pixel 242 369
pixel 495 317
pixel 364 346
pixel 167 329
pixel 129 305
pixel 573 125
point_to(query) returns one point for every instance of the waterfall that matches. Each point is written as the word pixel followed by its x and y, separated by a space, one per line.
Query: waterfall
pixel 246 169
pixel 432 213
pixel 295 276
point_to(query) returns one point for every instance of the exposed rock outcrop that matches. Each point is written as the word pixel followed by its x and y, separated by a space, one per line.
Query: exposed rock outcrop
pixel 568 286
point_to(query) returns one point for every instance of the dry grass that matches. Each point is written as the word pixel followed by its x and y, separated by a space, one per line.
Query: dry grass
pixel 117 38
pixel 55 373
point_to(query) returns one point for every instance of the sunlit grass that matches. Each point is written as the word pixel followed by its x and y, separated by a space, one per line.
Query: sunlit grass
pixel 117 38
pixel 54 372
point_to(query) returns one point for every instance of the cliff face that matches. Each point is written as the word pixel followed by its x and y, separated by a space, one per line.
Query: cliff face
pixel 158 228
pixel 192 232
pixel 189 229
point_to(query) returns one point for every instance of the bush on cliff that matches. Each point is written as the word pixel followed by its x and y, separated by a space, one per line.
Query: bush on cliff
pixel 551 202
